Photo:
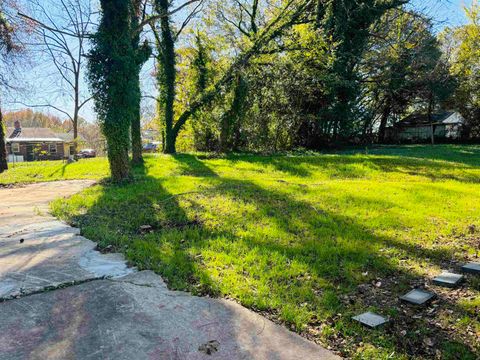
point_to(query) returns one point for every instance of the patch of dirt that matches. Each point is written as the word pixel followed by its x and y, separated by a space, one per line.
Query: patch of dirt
pixel 419 331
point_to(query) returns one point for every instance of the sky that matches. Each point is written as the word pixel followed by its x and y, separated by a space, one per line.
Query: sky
pixel 443 12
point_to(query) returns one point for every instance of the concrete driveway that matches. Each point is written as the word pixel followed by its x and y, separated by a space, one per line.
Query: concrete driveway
pixel 61 299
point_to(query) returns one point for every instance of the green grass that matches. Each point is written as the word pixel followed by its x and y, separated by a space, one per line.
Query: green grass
pixel 40 171
pixel 300 238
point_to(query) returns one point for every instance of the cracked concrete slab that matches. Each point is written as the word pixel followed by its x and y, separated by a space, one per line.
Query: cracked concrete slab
pixel 137 317
pixel 38 251
pixel 129 315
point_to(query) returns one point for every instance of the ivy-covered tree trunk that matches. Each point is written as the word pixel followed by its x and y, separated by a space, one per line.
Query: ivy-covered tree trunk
pixel 166 75
pixel 233 117
pixel 113 78
pixel 143 52
pixel 3 149
pixel 137 157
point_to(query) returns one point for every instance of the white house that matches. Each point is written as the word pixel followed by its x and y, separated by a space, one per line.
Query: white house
pixel 447 125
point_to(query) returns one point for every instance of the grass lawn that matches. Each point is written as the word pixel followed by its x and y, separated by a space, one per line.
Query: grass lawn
pixel 309 241
pixel 55 170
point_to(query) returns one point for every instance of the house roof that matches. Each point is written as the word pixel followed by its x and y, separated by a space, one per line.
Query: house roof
pixel 68 137
pixel 417 119
pixel 32 134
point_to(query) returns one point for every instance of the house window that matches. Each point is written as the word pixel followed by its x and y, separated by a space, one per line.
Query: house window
pixel 15 148
pixel 52 148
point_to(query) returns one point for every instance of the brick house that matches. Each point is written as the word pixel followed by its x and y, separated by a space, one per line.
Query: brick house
pixel 30 144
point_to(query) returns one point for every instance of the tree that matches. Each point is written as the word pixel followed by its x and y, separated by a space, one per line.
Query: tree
pixel 113 70
pixel 289 13
pixel 403 61
pixel 142 52
pixel 199 65
pixel 346 26
pixel 166 37
pixel 10 45
pixel 3 149
pixel 462 45
pixel 435 88
pixel 62 32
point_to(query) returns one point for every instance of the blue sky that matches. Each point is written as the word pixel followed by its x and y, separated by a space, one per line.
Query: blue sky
pixel 443 12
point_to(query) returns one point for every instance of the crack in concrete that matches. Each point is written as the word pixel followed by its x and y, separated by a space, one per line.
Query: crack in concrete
pixel 132 283
pixel 68 284
pixel 50 288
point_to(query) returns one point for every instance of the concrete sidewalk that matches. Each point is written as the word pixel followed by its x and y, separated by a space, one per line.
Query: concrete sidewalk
pixel 61 299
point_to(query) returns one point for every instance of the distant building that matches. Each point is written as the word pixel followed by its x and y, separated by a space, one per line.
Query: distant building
pixel 29 144
pixel 68 142
pixel 419 127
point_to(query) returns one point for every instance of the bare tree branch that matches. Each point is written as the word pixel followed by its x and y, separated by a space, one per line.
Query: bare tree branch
pixel 62 31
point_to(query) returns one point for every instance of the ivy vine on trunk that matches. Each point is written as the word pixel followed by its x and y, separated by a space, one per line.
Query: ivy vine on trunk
pixel 142 53
pixel 166 74
pixel 114 65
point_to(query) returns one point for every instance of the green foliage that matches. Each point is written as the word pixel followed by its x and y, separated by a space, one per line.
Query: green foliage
pixel 231 121
pixel 166 73
pixel 7 31
pixel 304 88
pixel 346 25
pixel 142 54
pixel 9 45
pixel 259 40
pixel 203 72
pixel 404 67
pixel 201 65
pixel 462 46
pixel 113 75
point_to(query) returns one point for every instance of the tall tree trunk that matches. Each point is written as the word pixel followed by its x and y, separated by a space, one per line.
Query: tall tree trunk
pixel 119 161
pixel 232 117
pixel 430 120
pixel 112 77
pixel 384 120
pixel 76 109
pixel 142 55
pixel 75 136
pixel 170 142
pixel 167 74
pixel 225 132
pixel 3 148
pixel 137 157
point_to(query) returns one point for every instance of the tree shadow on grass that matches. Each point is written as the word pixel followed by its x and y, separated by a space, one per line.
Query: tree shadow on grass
pixel 60 171
pixel 354 167
pixel 191 166
pixel 333 249
pixel 261 246
pixel 461 154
